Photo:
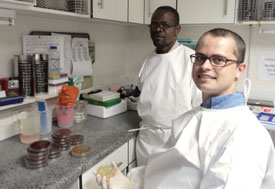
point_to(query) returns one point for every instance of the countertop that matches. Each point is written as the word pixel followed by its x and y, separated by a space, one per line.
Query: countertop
pixel 103 135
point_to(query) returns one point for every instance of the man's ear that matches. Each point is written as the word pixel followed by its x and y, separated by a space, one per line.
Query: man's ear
pixel 178 28
pixel 240 70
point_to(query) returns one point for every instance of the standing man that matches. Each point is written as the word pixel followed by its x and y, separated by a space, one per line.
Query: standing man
pixel 218 145
pixel 167 89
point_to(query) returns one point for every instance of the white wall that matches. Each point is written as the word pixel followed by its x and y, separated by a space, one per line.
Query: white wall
pixel 112 52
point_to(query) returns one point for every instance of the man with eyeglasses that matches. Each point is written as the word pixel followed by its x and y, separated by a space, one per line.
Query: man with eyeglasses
pixel 219 144
pixel 167 89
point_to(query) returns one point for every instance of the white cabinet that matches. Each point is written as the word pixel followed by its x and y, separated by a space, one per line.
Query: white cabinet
pixel 206 11
pixel 119 156
pixel 152 5
pixel 136 11
pixel 110 9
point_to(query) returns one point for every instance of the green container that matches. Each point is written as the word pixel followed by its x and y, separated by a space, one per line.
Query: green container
pixel 105 103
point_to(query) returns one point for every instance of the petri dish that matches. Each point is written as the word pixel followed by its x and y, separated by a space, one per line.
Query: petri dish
pixel 37 166
pixel 35 154
pixel 76 139
pixel 62 133
pixel 33 161
pixel 106 170
pixel 55 149
pixel 54 156
pixel 40 146
pixel 81 150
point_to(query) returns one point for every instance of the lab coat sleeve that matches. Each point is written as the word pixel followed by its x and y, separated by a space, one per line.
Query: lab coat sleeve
pixel 137 176
pixel 241 164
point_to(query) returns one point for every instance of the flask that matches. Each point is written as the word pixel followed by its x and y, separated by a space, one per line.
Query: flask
pixel 54 61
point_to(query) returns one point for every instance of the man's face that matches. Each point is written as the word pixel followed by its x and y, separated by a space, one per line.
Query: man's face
pixel 216 81
pixel 163 38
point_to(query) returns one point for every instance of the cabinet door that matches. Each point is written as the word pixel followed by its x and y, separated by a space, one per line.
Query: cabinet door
pixel 136 11
pixel 119 156
pixel 206 11
pixel 110 9
pixel 152 5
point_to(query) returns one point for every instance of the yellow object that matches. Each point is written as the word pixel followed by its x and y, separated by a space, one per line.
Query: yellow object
pixel 53 76
pixel 81 151
pixel 106 170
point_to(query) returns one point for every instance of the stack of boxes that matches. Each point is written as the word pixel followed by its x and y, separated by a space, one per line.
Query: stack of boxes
pixel 103 103
pixel 56 81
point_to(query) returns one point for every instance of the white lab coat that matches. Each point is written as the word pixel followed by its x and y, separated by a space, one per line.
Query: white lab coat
pixel 211 149
pixel 167 91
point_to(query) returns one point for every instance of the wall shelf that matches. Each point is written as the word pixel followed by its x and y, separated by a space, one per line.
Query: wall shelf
pixel 29 101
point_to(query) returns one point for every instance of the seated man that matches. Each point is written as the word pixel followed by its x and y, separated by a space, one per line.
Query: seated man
pixel 220 144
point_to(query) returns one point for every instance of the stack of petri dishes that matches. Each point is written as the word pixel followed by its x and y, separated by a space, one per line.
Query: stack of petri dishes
pixel 37 154
pixel 61 137
pixel 25 71
pixel 55 151
pixel 80 113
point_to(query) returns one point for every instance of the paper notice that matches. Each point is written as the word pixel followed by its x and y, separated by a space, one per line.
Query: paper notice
pixel 41 44
pixel 67 52
pixel 266 68
pixel 81 61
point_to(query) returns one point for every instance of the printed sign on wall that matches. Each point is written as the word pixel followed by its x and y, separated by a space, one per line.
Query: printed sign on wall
pixel 266 68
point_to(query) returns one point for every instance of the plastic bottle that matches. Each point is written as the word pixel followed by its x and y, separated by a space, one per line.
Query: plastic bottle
pixel 54 61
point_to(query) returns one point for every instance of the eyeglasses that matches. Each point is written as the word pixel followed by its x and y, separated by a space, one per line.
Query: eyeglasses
pixel 218 61
pixel 162 25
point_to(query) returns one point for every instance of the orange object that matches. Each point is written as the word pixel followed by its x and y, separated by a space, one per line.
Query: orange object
pixel 68 95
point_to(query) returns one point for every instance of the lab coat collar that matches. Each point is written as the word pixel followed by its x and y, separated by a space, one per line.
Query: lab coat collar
pixel 226 101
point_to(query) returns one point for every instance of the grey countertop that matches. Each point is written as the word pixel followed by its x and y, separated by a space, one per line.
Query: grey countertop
pixel 103 135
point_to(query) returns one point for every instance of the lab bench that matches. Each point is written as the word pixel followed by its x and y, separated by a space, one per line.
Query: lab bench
pixel 105 136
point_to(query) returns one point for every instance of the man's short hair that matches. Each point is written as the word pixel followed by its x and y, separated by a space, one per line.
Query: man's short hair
pixel 240 44
pixel 173 11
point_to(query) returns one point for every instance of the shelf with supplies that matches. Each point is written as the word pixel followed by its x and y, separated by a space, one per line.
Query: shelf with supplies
pixel 29 101
pixel 44 97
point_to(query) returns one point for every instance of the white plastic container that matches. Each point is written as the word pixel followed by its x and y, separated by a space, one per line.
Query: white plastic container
pixel 54 60
pixel 104 112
